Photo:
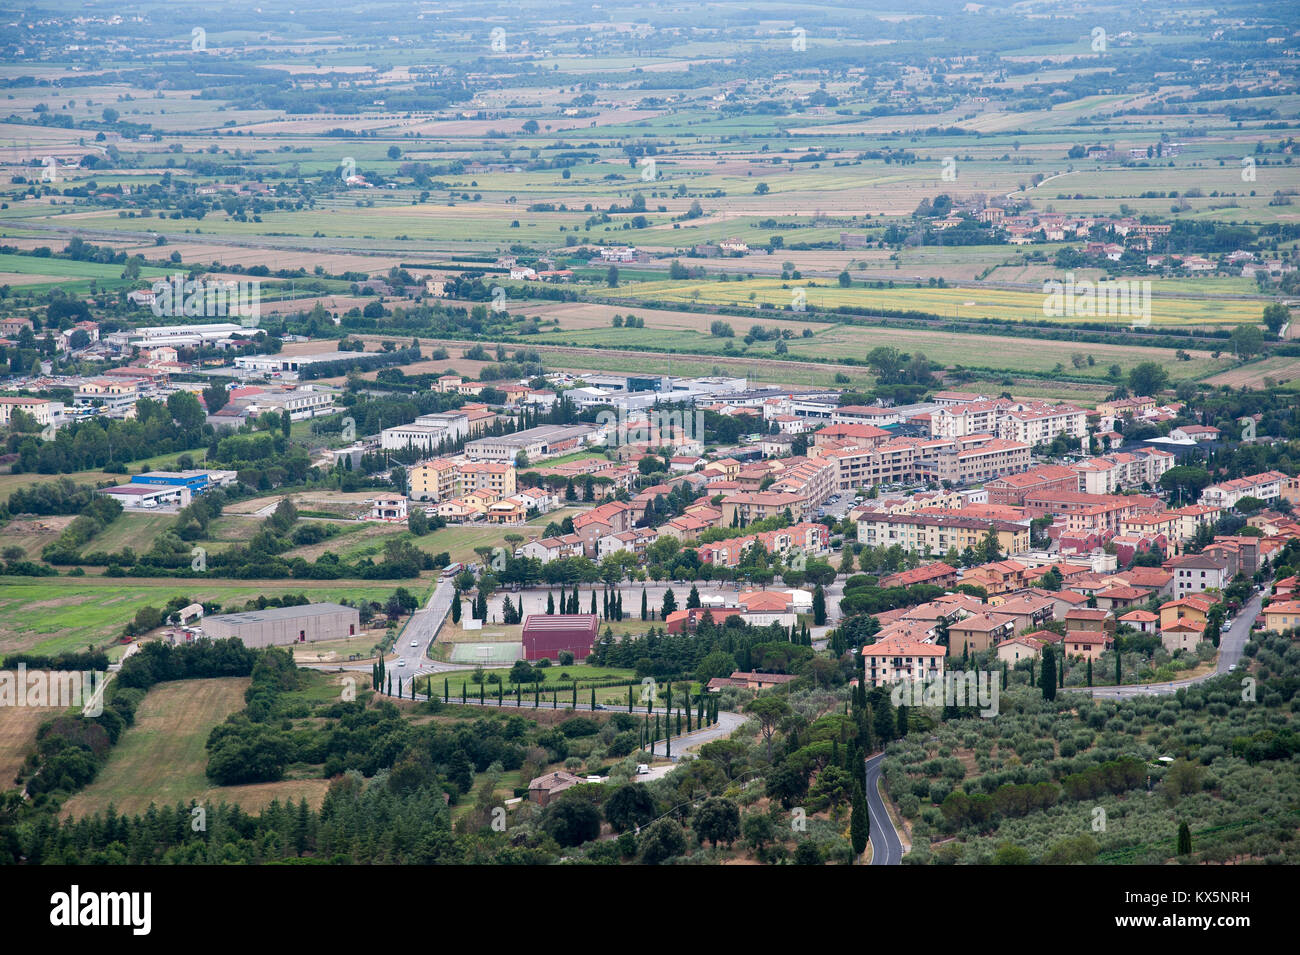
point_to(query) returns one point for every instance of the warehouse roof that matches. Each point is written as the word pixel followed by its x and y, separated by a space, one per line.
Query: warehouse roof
pixel 279 613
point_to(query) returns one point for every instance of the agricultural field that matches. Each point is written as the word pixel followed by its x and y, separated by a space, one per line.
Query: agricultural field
pixel 54 615
pixel 161 759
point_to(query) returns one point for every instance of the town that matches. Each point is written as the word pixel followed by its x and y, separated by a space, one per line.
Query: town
pixel 576 445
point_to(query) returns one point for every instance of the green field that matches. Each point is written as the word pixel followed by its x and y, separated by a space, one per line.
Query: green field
pixel 52 615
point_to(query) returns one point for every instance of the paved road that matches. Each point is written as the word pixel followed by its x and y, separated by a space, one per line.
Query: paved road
pixel 1231 643
pixel 886 847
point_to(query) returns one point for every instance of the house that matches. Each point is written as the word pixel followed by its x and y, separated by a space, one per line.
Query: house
pixel 1014 649
pixel 390 509
pixel 1143 621
pixel 1194 573
pixel 1281 616
pixel 1085 620
pixel 1085 644
pixel 1185 608
pixel 980 632
pixel 1183 635
pixel 544 789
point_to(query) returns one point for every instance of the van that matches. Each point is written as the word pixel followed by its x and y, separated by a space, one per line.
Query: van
pixel 642 769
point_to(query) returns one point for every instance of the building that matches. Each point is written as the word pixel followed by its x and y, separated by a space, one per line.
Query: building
pixel 980 632
pixel 545 636
pixel 1266 487
pixel 1014 649
pixel 1194 573
pixel 1012 489
pixel 1281 616
pixel 534 443
pixel 901 657
pixel 39 408
pixel 544 789
pixel 936 533
pixel 277 626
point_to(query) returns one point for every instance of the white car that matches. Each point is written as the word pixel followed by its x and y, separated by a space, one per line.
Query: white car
pixel 415 643
pixel 401 663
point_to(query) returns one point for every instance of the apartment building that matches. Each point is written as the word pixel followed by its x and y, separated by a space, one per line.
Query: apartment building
pixel 898 657
pixel 1266 487
pixel 39 408
pixel 935 533
pixel 1115 472
pixel 983 462
pixel 1014 488
pixel 747 507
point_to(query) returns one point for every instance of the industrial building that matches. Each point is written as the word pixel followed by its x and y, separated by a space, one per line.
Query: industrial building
pixel 546 635
pixel 277 626
pixel 536 443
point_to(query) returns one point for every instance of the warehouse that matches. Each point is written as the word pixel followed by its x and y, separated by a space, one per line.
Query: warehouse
pixel 276 626
pixel 546 635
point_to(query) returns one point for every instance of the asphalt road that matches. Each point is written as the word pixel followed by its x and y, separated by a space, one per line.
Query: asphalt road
pixel 886 847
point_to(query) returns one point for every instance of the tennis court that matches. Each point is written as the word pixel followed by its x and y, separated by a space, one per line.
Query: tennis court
pixel 487 654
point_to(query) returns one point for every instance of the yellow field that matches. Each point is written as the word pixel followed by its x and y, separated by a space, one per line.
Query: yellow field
pixel 161 759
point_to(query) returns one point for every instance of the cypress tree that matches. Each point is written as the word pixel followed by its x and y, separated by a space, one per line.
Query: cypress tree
pixel 1049 674
pixel 1184 839
pixel 629 697
pixel 902 721
pixel 550 604
pixel 593 602
pixel 1119 668
pixel 446 694
pixel 644 605
pixel 1090 671
pixel 859 821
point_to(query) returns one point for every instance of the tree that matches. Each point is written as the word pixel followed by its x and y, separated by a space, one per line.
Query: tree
pixel 693 598
pixel 819 606
pixel 611 277
pixel 662 841
pixel 669 605
pixel 571 821
pixel 1247 341
pixel 769 711
pixel 717 821
pixel 859 820
pixel 1049 674
pixel 629 807
pixel 1147 378
pixel 1184 839
pixel 1276 316
pixel 215 397
pixel 645 612
pixel 845 279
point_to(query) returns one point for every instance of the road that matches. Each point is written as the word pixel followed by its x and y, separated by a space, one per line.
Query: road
pixel 886 847
pixel 1231 643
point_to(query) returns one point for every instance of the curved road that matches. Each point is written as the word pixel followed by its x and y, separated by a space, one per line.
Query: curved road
pixel 886 846
pixel 1231 643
